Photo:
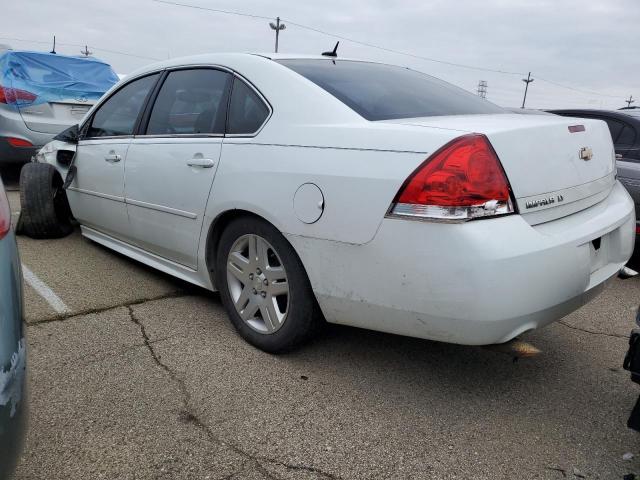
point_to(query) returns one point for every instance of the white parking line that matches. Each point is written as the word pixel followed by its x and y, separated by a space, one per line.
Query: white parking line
pixel 44 291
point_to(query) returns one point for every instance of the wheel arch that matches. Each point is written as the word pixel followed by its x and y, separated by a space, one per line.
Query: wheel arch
pixel 217 226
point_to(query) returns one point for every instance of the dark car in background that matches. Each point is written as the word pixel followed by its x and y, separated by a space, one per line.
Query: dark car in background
pixel 41 94
pixel 624 126
pixel 12 345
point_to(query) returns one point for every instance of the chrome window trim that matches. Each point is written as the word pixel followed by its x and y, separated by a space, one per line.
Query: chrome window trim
pixel 261 97
pixel 182 135
pixel 97 139
pixel 235 74
pixel 102 101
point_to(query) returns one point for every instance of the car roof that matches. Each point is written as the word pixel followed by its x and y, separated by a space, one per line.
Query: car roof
pixel 232 59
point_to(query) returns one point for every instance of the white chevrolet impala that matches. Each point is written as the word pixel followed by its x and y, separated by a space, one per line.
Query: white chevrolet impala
pixel 307 189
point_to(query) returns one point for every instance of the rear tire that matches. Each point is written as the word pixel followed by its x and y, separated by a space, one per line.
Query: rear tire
pixel 251 290
pixel 44 209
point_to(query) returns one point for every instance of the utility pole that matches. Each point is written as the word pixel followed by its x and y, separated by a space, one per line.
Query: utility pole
pixel 482 88
pixel 630 101
pixel 86 51
pixel 277 27
pixel 54 45
pixel 527 80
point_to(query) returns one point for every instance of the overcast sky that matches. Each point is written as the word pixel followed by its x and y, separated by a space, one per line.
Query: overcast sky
pixel 585 44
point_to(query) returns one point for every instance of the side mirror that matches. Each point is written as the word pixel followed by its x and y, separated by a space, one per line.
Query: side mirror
pixel 70 135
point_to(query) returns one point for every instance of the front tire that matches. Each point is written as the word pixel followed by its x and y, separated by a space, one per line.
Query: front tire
pixel 264 287
pixel 44 209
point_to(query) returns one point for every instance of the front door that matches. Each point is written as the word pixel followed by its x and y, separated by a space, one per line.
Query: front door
pixel 97 192
pixel 171 167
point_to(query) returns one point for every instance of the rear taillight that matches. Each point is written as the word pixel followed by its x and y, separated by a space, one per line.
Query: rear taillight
pixel 461 181
pixel 637 229
pixel 5 214
pixel 14 96
pixel 19 142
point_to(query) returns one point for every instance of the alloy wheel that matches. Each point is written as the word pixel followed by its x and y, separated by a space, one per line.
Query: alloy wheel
pixel 258 284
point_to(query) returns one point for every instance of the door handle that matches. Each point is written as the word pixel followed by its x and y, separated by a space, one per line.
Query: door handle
pixel 201 162
pixel 112 158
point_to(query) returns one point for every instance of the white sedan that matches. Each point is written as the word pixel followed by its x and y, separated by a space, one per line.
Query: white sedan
pixel 312 188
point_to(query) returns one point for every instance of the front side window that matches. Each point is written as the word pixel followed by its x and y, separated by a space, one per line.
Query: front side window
pixel 384 92
pixel 191 102
pixel 247 111
pixel 118 115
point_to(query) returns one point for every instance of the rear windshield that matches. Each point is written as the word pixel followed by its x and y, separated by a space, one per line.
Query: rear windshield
pixel 384 92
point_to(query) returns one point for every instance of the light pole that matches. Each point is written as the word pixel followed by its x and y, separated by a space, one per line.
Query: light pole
pixel 527 80
pixel 277 27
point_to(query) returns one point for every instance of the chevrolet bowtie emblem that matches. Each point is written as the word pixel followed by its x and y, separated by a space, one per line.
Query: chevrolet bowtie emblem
pixel 586 153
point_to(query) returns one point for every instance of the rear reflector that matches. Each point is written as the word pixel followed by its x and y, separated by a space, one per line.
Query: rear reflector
pixel 19 142
pixel 576 128
pixel 15 96
pixel 461 181
pixel 637 229
pixel 5 214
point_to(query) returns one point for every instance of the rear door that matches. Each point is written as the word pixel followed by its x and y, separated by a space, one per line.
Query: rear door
pixel 97 192
pixel 171 165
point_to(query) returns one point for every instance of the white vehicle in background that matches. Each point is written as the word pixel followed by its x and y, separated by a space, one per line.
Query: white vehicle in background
pixel 366 194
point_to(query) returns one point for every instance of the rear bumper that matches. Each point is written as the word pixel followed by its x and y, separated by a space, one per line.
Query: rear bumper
pixel 476 283
pixel 13 155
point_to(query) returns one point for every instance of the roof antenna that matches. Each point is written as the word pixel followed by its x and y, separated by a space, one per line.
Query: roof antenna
pixel 54 45
pixel 333 53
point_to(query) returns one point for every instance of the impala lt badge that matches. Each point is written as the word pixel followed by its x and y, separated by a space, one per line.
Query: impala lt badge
pixel 540 202
pixel 586 153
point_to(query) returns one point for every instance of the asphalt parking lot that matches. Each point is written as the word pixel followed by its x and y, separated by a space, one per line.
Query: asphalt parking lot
pixel 135 375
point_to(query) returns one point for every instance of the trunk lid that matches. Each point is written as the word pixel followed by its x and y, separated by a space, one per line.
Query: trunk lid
pixel 553 170
pixel 56 115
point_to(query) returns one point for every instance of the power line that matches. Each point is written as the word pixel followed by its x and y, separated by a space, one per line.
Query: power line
pixel 385 49
pixel 229 12
pixel 341 37
pixel 587 92
pixel 41 42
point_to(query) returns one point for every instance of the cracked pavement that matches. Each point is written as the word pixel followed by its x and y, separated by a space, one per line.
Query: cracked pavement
pixel 145 378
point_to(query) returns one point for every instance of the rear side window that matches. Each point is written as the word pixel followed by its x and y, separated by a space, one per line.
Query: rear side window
pixel 384 92
pixel 191 102
pixel 627 136
pixel 247 111
pixel 118 115
pixel 615 128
